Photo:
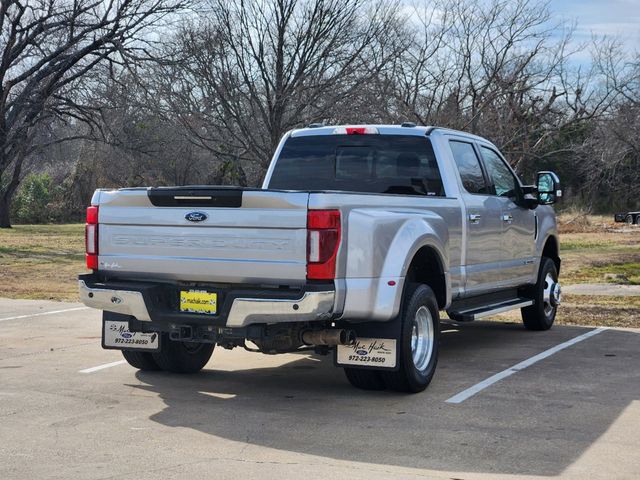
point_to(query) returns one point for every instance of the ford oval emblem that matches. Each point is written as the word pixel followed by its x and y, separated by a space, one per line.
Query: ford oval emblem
pixel 361 352
pixel 196 216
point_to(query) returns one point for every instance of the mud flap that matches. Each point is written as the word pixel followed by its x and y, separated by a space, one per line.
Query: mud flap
pixel 377 346
pixel 118 333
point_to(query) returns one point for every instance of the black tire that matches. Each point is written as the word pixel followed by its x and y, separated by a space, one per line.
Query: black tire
pixel 637 219
pixel 365 379
pixel 182 357
pixel 410 378
pixel 629 219
pixel 541 315
pixel 140 360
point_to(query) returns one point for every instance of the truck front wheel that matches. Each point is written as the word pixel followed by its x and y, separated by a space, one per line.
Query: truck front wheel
pixel 182 357
pixel 418 343
pixel 546 295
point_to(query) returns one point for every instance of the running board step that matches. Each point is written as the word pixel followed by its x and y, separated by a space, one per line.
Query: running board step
pixel 488 310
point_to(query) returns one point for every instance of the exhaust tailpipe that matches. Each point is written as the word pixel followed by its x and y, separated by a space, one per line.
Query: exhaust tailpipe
pixel 329 337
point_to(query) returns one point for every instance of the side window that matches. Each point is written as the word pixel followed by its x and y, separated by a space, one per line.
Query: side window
pixel 504 181
pixel 469 167
pixel 410 171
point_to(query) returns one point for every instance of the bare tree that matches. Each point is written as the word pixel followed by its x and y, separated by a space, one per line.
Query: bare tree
pixel 46 48
pixel 248 71
pixel 607 160
pixel 225 84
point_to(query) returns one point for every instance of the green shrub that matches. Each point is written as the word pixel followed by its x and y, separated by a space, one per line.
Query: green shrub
pixel 30 204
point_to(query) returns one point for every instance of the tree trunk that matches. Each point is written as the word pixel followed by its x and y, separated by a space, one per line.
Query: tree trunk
pixel 6 194
pixel 5 207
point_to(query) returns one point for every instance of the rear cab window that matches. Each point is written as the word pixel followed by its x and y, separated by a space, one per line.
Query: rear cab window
pixel 390 164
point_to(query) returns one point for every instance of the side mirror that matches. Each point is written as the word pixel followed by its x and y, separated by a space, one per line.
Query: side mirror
pixel 549 190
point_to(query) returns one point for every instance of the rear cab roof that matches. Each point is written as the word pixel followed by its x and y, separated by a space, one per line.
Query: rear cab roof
pixel 386 130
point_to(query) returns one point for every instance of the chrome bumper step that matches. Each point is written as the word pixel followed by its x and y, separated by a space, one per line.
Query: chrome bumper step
pixel 488 310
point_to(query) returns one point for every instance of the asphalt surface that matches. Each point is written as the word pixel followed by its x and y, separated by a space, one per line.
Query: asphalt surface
pixel 574 414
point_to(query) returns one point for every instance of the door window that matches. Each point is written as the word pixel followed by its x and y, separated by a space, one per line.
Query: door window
pixel 469 167
pixel 504 182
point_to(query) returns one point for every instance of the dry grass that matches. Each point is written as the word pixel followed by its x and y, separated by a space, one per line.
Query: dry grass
pixel 593 246
pixel 587 257
pixel 41 261
pixel 576 220
pixel 601 311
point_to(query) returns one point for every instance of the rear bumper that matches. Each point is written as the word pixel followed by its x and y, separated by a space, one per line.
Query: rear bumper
pixel 309 307
pixel 239 308
pixel 126 302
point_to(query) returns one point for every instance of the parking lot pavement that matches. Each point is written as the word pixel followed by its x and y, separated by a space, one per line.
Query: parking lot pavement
pixel 17 309
pixel 573 414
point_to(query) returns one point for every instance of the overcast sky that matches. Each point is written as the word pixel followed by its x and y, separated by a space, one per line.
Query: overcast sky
pixel 603 17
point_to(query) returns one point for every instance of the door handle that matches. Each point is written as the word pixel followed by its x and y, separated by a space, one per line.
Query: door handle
pixel 474 217
pixel 507 218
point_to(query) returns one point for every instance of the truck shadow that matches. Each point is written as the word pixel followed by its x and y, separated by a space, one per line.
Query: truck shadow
pixel 538 422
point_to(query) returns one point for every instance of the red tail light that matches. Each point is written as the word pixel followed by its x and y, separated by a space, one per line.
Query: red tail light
pixel 323 240
pixel 91 238
pixel 355 131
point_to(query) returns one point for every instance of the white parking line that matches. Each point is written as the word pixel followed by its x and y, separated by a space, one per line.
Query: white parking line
pixel 478 387
pixel 43 313
pixel 102 367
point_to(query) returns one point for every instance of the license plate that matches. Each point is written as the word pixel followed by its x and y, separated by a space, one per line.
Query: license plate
pixel 198 301
pixel 369 352
pixel 116 334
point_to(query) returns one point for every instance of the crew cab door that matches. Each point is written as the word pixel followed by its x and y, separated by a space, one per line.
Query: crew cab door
pixel 518 222
pixel 484 254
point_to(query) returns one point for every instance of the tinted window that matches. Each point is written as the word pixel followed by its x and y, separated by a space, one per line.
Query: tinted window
pixel 469 167
pixel 503 179
pixel 352 161
pixel 398 164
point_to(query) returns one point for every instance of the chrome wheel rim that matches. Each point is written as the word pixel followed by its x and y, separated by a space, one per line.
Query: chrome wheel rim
pixel 551 295
pixel 422 338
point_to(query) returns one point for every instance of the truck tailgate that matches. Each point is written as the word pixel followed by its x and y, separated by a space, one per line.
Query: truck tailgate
pixel 261 240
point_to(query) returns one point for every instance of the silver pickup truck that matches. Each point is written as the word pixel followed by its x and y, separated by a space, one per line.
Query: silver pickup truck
pixel 357 240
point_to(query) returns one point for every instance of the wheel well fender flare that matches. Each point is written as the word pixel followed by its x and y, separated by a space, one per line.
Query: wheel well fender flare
pixel 419 245
pixel 551 249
